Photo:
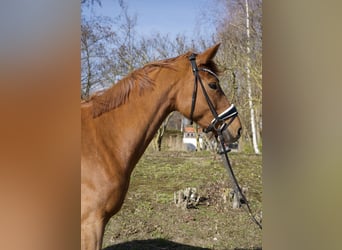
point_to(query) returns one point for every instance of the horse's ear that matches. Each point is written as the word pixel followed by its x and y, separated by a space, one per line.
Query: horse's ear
pixel 207 55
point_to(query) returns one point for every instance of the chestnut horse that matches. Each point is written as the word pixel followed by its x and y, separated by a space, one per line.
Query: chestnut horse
pixel 119 123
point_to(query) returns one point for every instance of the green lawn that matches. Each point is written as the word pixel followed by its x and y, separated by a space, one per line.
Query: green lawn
pixel 149 219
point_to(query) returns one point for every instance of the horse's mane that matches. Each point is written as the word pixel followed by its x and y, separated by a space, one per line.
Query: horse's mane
pixel 118 94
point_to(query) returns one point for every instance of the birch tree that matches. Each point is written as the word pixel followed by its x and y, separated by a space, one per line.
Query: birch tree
pixel 249 86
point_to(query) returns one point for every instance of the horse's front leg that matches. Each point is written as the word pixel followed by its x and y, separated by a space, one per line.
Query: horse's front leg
pixel 98 206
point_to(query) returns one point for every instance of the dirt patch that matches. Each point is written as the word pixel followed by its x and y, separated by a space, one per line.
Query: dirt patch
pixel 149 218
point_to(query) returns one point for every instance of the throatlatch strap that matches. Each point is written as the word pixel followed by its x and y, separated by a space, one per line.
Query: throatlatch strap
pixel 192 59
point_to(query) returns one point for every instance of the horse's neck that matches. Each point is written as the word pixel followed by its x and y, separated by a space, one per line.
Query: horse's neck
pixel 134 124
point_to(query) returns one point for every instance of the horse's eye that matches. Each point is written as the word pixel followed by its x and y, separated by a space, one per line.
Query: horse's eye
pixel 213 85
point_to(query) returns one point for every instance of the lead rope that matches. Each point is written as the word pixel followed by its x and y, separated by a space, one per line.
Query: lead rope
pixel 237 189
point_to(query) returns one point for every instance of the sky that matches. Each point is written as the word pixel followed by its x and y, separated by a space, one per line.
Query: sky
pixel 164 16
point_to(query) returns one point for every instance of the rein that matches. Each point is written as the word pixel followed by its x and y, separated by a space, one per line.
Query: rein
pixel 218 124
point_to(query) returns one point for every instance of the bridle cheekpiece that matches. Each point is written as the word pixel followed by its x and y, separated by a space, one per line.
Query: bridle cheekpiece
pixel 219 122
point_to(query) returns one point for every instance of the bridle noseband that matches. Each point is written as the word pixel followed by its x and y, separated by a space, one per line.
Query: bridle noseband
pixel 218 124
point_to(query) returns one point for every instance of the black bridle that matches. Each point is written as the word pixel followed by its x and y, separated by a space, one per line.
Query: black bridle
pixel 219 124
pixel 219 121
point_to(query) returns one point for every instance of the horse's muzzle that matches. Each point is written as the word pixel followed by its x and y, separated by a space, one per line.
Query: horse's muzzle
pixel 231 136
pixel 232 130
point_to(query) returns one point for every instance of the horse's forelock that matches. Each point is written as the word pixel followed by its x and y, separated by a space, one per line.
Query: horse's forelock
pixel 211 65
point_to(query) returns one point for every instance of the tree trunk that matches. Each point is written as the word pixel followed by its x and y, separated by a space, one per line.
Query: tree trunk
pixel 160 133
pixel 249 86
pixel 198 146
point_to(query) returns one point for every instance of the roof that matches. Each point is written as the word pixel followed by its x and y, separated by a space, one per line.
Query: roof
pixel 189 129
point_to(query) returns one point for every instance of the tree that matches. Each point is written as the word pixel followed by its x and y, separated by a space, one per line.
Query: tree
pixel 240 33
pixel 96 59
pixel 107 50
pixel 157 141
pixel 249 86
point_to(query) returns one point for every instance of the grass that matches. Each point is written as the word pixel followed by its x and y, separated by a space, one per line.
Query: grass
pixel 150 220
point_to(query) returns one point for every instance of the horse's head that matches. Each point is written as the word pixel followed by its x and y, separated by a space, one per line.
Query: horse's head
pixel 201 99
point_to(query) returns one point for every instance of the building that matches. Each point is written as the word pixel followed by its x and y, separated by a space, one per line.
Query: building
pixel 190 139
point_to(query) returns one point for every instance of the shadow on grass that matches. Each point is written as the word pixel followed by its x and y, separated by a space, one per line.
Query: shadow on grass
pixel 256 248
pixel 159 244
pixel 153 244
